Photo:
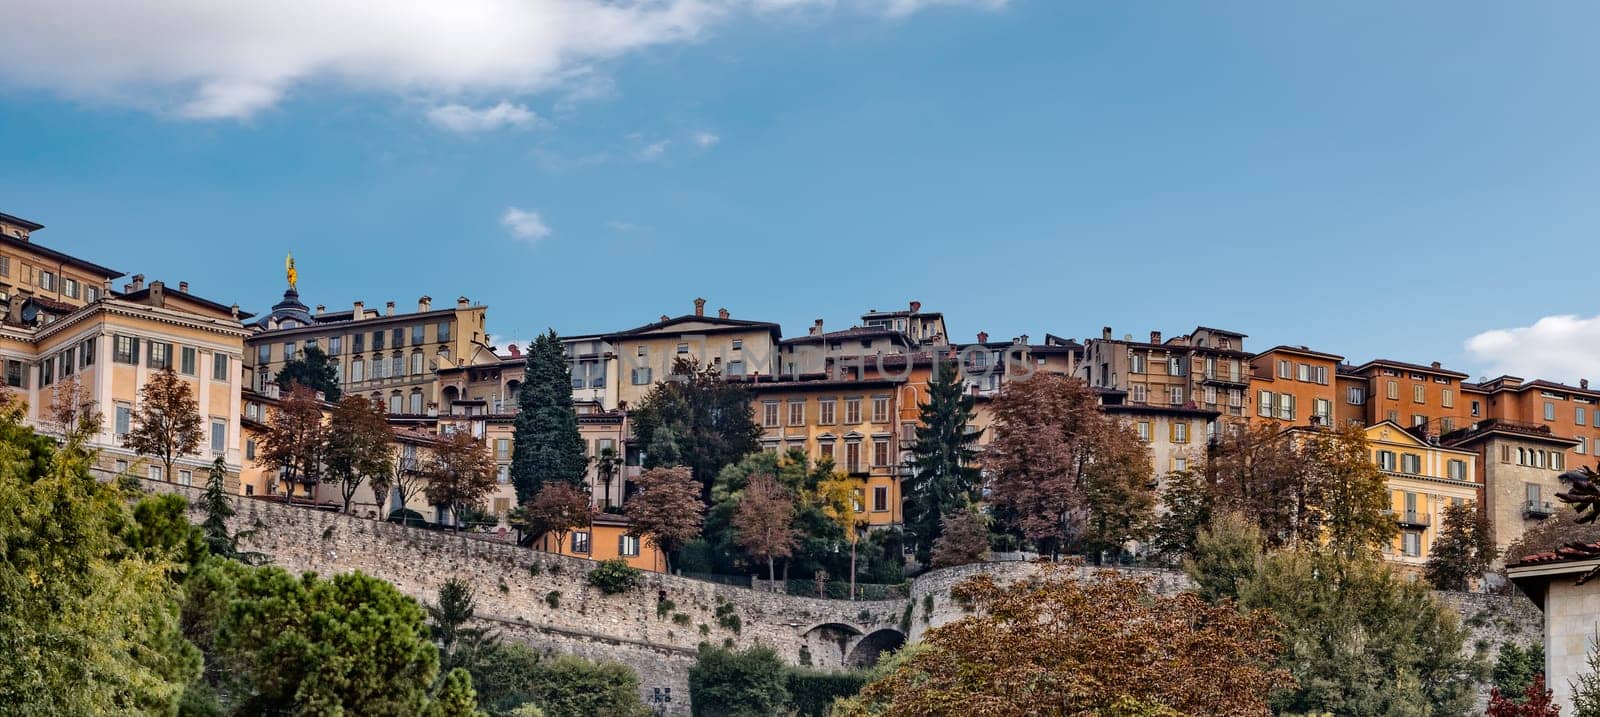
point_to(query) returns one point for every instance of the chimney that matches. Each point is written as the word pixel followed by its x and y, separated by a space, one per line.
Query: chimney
pixel 1583 383
pixel 127 288
pixel 1023 339
pixel 138 282
pixel 234 310
pixel 515 352
pixel 1155 337
pixel 665 318
pixel 360 311
pixel 816 327
pixel 158 293
pixel 424 304
pixel 699 307
pixel 321 309
pixel 183 287
pixel 462 303
pixel 983 337
pixel 916 306
pixel 1105 333
pixel 388 309
pixel 1435 364
pixel 722 313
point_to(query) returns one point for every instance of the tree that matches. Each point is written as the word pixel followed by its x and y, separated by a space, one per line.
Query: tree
pixel 1064 473
pixel 1551 533
pixel 313 369
pixel 1463 550
pixel 607 464
pixel 407 475
pixel 71 412
pixel 1362 639
pixel 166 422
pixel 1227 554
pixel 511 678
pixel 1355 495
pixel 943 467
pixel 455 698
pixel 296 440
pixel 161 529
pixel 963 539
pixel 546 446
pixel 667 510
pixel 763 524
pixel 737 684
pixel 1586 689
pixel 218 508
pixel 1188 501
pixel 557 508
pixel 1515 667
pixel 1536 702
pixel 1261 472
pixel 358 439
pixel 696 419
pixel 459 645
pixel 350 644
pixel 90 625
pixel 1058 645
pixel 460 473
pixel 836 499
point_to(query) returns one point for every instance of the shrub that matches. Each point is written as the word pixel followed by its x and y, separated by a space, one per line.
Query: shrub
pixel 407 516
pixel 737 684
pixel 615 576
pixel 811 693
pixel 553 599
pixel 728 618
pixel 680 618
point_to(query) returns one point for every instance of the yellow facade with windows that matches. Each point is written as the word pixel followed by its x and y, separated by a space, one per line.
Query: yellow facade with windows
pixel 1423 479
pixel 646 355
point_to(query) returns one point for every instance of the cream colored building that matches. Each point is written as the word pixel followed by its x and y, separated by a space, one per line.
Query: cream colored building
pixel 1520 466
pixel 736 347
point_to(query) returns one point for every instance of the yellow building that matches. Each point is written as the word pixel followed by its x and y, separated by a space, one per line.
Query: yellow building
pixel 1423 478
pixel 66 336
pixel 606 538
pixel 646 354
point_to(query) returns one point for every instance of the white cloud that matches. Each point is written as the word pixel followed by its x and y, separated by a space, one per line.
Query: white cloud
pixel 654 150
pixel 1558 348
pixel 207 59
pixel 464 119
pixel 525 224
pixel 618 225
pixel 706 139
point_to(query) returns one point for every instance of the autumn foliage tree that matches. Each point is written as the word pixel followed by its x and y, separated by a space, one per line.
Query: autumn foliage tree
pixel 1059 645
pixel 1355 494
pixel 557 508
pixel 1464 549
pixel 166 422
pixel 460 473
pixel 1065 474
pixel 667 510
pixel 963 539
pixel 358 439
pixel 296 439
pixel 763 524
pixel 1536 701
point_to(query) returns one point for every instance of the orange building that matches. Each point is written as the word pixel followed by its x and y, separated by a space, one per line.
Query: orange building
pixel 1412 395
pixel 1294 385
pixel 1571 412
pixel 606 538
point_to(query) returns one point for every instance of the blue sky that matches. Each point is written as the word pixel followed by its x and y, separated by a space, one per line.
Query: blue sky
pixel 1364 178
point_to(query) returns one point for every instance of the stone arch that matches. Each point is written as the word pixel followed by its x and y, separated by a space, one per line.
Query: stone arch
pixel 869 648
pixel 830 642
pixel 449 396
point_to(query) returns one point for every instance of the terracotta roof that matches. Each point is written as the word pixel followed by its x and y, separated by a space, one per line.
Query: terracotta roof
pixel 1561 554
pixel 1411 367
pixel 1300 350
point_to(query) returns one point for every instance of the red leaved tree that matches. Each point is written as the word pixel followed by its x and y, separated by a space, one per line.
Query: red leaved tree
pixel 763 522
pixel 166 423
pixel 460 474
pixel 1536 702
pixel 296 439
pixel 558 507
pixel 667 510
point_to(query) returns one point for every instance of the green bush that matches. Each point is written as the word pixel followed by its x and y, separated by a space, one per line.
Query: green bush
pixel 811 693
pixel 728 618
pixel 615 576
pixel 510 677
pixel 737 684
pixel 553 599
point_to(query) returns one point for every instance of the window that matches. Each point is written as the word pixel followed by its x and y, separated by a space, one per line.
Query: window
pixel 1285 369
pixel 738 344
pixel 378 367
pixel 1286 406
pixel 1320 375
pixel 397 338
pixel 852 410
pixel 641 376
pixel 1447 398
pixel 1136 363
pixel 1446 425
pixel 443 333
pixel 396 405
pixel 880 452
pixel 1477 408
pixel 1583 443
pixel 797 413
pixel 825 450
pixel 186 361
pixel 335 344
pixel 219 367
pixel 1357 396
pixel 1174 366
pixel 1549 411
pixel 417 334
pixel 219 435
pixel 1322 408
pixel 1264 404
pixel 1411 543
pixel 1557 460
pixel 880 499
pixel 1235 397
pixel 5 266
pixel 628 546
pixel 1180 432
pixel 880 409
pixel 1144 431
pixel 502 475
pixel 683 347
pixel 250 448
pixel 416 362
pixel 15 376
pixel 852 456
pixel 1211 395
pixel 69 287
pixel 69 362
pixel 86 353
pixel 1580 416
pixel 1410 464
pixel 825 411
pixel 1304 373
pixel 1386 460
pixel 1180 464
pixel 397 365
pixel 358 343
pixel 1419 393
pixel 580 541
pixel 1211 367
pixel 47 372
pixel 416 403
pixel 124 419
pixel 156 473
pixel 47 280
pixel 377 340
pixel 735 368
pixel 1139 393
pixel 1175 395
pixel 1393 390
pixel 1457 469
pixel 1419 420
pixel 769 414
pixel 358 370
pixel 125 349
pixel 502 449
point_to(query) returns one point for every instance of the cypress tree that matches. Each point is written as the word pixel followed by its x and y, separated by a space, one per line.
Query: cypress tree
pixel 547 447
pixel 943 476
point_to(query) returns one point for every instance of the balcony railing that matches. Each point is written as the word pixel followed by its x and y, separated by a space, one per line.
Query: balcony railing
pixel 1537 509
pixel 1411 518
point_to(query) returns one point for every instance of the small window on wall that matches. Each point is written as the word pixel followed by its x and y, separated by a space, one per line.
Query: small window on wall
pixel 628 546
pixel 880 499
pixel 580 541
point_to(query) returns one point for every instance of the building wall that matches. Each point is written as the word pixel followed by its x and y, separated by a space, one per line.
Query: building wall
pixel 1420 492
pixel 1571 614
pixel 791 416
pixel 1529 403
pixel 708 343
pixel 605 542
pixel 1310 381
pixel 1393 393
pixel 1508 472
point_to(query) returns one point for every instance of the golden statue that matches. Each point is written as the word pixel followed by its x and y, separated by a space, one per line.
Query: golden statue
pixel 288 265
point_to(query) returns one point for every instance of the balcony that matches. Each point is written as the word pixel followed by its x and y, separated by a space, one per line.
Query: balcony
pixel 1226 379
pixel 1537 510
pixel 1411 519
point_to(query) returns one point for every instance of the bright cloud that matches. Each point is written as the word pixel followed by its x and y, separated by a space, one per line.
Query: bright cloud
pixel 654 150
pixel 706 139
pixel 525 224
pixel 1560 348
pixel 206 60
pixel 464 119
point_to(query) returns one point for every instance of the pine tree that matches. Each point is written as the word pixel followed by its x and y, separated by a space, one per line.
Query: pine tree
pixel 547 446
pixel 311 368
pixel 943 475
pixel 218 510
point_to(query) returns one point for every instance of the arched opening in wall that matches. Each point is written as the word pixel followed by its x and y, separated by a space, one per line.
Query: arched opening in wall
pixel 867 651
pixel 449 396
pixel 833 641
pixel 511 391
